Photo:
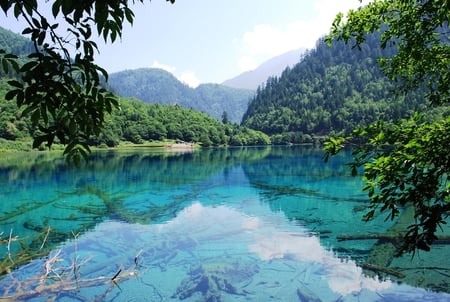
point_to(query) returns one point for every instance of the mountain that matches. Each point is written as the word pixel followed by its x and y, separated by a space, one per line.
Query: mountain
pixel 272 67
pixel 14 43
pixel 150 85
pixel 137 121
pixel 215 99
pixel 153 85
pixel 332 90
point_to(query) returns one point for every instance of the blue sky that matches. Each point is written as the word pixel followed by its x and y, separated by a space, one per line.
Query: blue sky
pixel 205 41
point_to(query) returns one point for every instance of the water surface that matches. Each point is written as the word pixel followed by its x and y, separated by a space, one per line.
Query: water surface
pixel 240 224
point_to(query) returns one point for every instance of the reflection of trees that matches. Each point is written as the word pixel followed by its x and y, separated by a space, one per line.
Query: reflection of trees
pixel 273 192
pixel 297 182
pixel 105 188
pixel 291 178
pixel 299 161
pixel 135 166
pixel 295 171
pixel 84 196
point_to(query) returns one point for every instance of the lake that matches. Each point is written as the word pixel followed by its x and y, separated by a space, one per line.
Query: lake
pixel 232 224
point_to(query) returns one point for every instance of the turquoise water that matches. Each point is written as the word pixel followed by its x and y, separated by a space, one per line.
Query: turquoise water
pixel 243 224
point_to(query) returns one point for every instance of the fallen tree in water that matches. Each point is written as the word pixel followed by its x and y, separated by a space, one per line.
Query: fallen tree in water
pixel 386 238
pixel 58 276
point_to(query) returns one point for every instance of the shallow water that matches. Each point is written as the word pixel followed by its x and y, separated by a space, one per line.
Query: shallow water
pixel 243 224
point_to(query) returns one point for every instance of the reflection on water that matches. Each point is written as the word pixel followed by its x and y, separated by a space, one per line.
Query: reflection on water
pixel 222 225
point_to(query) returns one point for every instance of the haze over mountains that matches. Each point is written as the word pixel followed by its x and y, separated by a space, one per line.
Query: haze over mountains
pixel 272 67
pixel 153 85
pixel 328 90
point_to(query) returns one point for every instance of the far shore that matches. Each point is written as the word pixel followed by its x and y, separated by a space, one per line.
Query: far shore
pixel 163 146
pixel 181 147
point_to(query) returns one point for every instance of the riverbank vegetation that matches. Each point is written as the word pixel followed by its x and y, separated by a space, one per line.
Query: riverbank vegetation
pixel 406 162
pixel 134 122
pixel 333 90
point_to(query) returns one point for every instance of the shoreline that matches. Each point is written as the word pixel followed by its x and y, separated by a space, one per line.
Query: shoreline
pixel 58 150
pixel 181 147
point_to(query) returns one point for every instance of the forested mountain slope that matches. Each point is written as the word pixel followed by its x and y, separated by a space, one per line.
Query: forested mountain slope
pixel 153 85
pixel 14 43
pixel 137 121
pixel 334 89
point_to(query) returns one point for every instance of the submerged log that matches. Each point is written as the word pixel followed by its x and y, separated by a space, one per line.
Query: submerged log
pixel 385 249
pixel 381 269
pixel 386 238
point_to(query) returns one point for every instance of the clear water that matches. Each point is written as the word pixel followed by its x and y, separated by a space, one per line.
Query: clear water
pixel 243 224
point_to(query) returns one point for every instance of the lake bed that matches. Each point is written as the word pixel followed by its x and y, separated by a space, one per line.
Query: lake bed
pixel 234 224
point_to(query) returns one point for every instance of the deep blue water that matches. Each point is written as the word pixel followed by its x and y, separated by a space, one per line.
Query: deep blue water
pixel 240 224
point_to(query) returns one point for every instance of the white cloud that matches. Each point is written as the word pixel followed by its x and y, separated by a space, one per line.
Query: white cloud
pixel 270 242
pixel 327 9
pixel 189 78
pixel 269 40
pixel 168 68
pixel 265 41
pixel 247 63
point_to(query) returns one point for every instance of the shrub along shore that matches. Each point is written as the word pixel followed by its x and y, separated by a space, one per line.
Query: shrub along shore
pixel 9 149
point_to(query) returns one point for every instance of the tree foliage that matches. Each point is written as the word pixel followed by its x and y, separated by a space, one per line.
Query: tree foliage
pixel 406 163
pixel 60 84
pixel 138 122
pixel 134 121
pixel 332 90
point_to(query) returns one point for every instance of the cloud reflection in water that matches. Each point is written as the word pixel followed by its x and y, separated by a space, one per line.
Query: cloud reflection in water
pixel 270 242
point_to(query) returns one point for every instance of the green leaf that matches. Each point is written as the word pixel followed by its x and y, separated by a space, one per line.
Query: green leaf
pixel 129 15
pixel 36 22
pixel 5 5
pixel 20 97
pixel 41 37
pixel 15 83
pixel 11 94
pixel 18 9
pixel 72 126
pixel 66 7
pixel 38 140
pixel 5 66
pixel 29 66
pixel 10 56
pixel 30 5
pixel 35 117
pixel 56 8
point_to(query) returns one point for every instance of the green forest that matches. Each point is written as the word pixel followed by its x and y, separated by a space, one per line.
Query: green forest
pixel 332 91
pixel 153 85
pixel 136 122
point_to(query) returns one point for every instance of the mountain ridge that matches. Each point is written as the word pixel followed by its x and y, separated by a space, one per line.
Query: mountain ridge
pixel 155 85
pixel 333 90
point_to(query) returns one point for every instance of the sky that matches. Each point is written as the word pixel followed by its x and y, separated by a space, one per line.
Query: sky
pixel 205 41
